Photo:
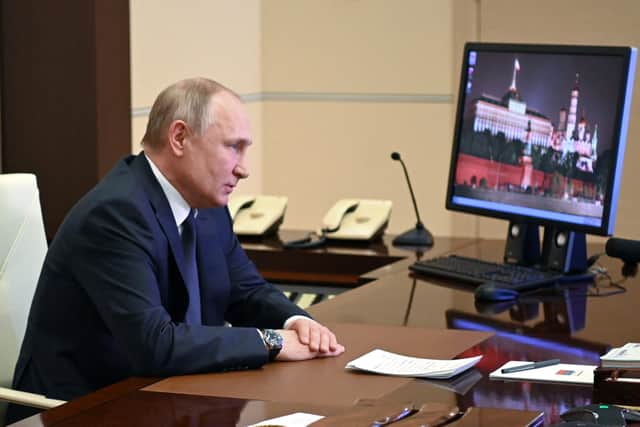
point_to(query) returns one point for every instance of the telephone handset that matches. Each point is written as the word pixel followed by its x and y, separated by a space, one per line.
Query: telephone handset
pixel 357 219
pixel 238 202
pixel 333 218
pixel 348 219
pixel 256 215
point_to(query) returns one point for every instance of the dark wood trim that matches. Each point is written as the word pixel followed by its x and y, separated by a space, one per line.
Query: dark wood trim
pixel 92 400
pixel 65 95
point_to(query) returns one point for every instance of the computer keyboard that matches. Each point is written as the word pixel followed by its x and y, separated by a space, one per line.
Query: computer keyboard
pixel 475 271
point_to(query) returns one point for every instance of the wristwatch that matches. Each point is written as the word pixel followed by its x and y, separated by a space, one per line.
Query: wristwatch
pixel 273 342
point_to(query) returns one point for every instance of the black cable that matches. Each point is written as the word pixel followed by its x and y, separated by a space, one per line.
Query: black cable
pixel 614 287
pixel 307 242
pixel 594 258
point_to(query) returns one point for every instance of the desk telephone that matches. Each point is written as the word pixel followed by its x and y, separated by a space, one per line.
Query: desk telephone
pixel 356 219
pixel 256 215
pixel 348 219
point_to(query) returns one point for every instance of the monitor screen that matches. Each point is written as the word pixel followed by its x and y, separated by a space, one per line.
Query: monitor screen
pixel 540 133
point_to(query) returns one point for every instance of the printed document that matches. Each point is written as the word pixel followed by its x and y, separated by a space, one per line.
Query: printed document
pixel 387 363
pixel 560 373
pixel 298 419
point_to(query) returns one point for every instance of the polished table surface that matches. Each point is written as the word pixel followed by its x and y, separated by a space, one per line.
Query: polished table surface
pixel 325 380
pixel 571 323
pixel 576 323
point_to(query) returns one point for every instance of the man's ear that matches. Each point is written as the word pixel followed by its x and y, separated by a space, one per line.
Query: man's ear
pixel 178 134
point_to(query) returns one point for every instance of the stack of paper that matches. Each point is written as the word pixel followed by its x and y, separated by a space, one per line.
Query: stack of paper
pixel 627 356
pixel 386 363
pixel 560 373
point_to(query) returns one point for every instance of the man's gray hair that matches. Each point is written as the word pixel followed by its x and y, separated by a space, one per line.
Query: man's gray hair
pixel 188 100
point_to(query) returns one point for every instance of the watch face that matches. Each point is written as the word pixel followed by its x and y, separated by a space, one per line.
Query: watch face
pixel 273 342
pixel 273 339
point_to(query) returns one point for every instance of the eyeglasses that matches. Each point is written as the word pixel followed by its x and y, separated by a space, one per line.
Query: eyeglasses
pixel 405 412
pixel 446 418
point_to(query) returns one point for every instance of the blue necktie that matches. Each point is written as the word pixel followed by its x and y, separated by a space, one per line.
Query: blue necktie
pixel 193 315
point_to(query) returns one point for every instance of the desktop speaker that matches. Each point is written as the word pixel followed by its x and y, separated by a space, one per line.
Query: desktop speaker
pixel 564 251
pixel 523 244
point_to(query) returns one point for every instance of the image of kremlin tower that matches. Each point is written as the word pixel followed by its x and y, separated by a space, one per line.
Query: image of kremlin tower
pixel 508 147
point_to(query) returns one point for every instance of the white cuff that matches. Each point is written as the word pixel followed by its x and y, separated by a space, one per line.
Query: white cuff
pixel 292 319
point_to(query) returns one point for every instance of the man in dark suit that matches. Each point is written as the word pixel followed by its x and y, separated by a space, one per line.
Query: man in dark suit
pixel 145 270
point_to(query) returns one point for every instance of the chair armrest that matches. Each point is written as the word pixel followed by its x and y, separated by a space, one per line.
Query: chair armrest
pixel 28 399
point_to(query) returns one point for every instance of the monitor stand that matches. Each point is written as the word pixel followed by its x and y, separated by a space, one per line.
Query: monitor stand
pixel 562 250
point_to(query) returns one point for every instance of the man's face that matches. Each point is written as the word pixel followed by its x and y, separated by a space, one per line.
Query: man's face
pixel 214 162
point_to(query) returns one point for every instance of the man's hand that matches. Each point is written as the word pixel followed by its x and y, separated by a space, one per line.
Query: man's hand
pixel 317 337
pixel 293 349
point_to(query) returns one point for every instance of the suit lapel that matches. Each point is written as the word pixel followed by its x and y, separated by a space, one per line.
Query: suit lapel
pixel 160 204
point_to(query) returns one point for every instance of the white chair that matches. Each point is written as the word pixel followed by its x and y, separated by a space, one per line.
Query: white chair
pixel 23 247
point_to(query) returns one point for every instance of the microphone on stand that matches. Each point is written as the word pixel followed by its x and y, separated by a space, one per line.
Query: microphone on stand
pixel 625 249
pixel 418 236
pixel 628 251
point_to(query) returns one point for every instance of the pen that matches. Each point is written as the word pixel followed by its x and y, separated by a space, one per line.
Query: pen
pixel 528 366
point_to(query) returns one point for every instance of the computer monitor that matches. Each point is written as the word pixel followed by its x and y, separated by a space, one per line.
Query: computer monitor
pixel 539 140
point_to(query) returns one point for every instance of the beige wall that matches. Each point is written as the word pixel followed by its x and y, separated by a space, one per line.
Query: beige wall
pixel 318 152
pixel 317 76
pixel 172 40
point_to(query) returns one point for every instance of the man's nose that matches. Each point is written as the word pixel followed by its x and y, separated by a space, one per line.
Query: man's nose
pixel 240 172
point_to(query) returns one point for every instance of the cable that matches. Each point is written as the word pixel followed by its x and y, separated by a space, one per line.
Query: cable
pixel 594 258
pixel 307 242
pixel 603 281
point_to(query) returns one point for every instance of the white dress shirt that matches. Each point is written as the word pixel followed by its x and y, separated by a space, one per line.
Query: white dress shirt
pixel 180 210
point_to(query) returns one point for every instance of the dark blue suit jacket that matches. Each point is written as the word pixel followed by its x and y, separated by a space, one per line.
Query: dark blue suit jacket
pixel 111 299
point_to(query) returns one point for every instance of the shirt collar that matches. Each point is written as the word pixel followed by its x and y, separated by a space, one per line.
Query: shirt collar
pixel 179 206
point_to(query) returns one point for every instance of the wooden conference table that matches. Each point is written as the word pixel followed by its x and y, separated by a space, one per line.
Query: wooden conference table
pixel 387 306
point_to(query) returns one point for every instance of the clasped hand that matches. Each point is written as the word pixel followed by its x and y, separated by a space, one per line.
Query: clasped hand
pixel 307 339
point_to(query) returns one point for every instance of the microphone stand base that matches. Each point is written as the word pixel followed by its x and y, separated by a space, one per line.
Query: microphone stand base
pixel 414 237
